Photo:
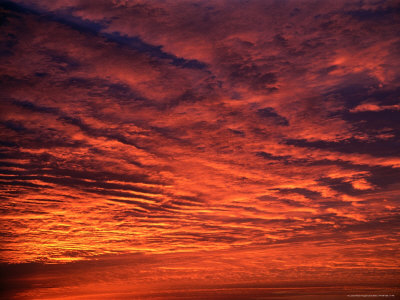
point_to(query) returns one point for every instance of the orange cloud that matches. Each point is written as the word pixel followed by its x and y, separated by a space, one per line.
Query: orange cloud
pixel 219 149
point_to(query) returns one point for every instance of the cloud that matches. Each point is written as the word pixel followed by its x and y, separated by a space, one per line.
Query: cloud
pixel 210 144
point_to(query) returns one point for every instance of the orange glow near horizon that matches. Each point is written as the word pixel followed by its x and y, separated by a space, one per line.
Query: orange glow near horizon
pixel 199 150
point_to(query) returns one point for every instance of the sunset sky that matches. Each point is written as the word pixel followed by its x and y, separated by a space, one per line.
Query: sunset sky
pixel 199 149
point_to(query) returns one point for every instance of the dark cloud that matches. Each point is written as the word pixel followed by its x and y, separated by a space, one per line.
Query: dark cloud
pixel 340 185
pixel 375 15
pixel 154 51
pixel 272 157
pixel 379 148
pixel 270 113
pixel 305 192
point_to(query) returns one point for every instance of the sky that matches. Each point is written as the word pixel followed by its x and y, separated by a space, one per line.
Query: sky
pixel 199 149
